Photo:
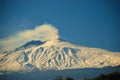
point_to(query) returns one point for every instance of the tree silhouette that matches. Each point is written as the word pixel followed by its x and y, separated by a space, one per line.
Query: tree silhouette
pixel 68 78
pixel 112 76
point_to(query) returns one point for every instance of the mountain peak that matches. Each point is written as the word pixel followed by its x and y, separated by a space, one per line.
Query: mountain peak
pixel 60 39
pixel 53 42
pixel 38 42
pixel 30 43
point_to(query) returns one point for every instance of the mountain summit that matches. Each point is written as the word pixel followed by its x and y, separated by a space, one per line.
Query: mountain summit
pixel 56 54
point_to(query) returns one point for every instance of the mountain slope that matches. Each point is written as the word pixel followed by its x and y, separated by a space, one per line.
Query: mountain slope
pixel 56 54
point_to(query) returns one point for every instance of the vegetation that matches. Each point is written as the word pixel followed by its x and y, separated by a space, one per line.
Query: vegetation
pixel 60 78
pixel 111 76
pixel 69 78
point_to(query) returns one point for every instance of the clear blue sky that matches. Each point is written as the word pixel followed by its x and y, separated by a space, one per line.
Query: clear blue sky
pixel 92 23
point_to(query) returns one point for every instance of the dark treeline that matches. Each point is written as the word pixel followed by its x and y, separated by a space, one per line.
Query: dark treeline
pixel 111 76
pixel 60 78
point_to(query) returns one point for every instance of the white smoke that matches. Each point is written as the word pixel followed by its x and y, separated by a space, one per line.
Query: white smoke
pixel 43 33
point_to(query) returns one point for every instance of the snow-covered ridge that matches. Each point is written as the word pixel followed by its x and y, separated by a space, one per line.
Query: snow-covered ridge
pixel 56 54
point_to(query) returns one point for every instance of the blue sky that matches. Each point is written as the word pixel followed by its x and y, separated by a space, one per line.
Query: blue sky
pixel 92 23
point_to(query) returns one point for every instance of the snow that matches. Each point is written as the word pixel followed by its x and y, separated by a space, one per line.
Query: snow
pixel 59 55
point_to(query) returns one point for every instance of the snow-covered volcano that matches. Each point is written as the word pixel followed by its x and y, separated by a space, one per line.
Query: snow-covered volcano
pixel 56 54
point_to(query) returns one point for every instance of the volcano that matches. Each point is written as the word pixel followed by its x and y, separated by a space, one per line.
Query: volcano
pixel 56 55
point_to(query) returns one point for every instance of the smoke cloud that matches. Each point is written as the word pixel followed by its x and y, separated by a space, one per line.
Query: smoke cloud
pixel 43 32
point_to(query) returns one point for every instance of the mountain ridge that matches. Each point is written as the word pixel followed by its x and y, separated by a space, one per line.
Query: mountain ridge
pixel 56 54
